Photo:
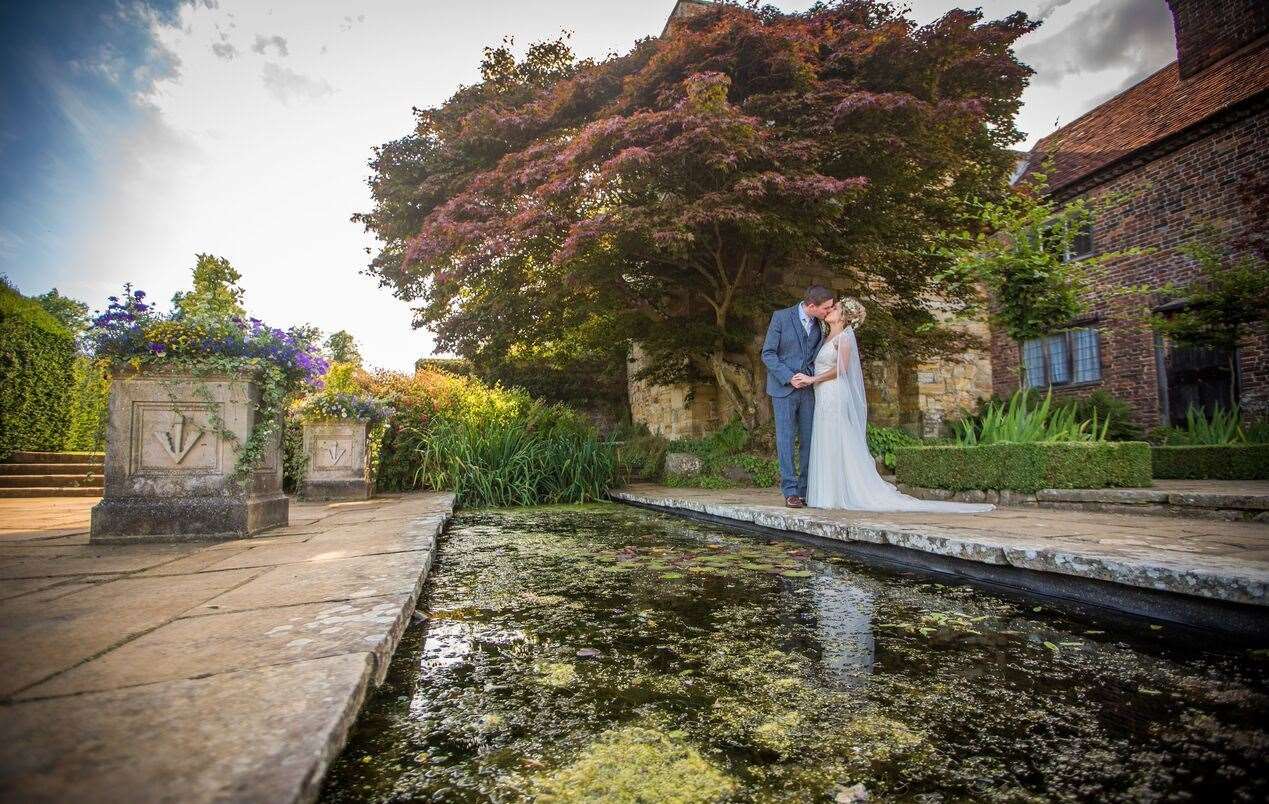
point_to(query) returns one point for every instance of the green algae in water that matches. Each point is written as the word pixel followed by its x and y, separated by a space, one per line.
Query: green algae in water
pixel 775 672
pixel 635 764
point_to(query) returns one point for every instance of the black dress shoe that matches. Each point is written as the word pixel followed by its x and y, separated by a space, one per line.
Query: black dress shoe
pixel 794 502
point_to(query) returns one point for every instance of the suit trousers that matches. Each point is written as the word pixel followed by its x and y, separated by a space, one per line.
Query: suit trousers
pixel 794 415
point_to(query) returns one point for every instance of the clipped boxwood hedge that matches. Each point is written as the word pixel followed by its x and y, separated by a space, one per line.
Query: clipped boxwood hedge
pixel 36 358
pixel 1223 462
pixel 1026 468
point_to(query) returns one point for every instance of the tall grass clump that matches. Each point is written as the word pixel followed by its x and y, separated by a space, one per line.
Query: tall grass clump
pixel 536 454
pixel 1222 426
pixel 490 445
pixel 1018 421
pixel 639 454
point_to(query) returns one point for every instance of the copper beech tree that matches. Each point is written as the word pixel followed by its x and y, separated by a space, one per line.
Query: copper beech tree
pixel 659 196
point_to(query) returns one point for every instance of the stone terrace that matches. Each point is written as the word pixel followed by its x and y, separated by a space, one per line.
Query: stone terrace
pixel 197 672
pixel 1215 560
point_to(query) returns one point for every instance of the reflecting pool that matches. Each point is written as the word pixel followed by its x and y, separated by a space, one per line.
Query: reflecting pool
pixel 603 653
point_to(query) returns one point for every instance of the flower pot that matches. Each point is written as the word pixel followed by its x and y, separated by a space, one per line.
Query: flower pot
pixel 336 452
pixel 172 448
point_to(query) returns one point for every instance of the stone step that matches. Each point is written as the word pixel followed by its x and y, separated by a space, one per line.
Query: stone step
pixel 51 481
pixel 50 492
pixel 42 468
pixel 57 457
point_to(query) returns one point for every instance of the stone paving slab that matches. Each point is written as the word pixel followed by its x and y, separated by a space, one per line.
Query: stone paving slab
pixel 262 735
pixel 43 637
pixel 1204 558
pixel 217 643
pixel 202 671
pixel 326 580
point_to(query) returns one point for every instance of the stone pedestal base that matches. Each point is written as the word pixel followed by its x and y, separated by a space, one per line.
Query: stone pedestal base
pixel 335 490
pixel 128 520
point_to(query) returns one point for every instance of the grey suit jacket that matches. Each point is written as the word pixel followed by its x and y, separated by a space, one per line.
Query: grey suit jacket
pixel 788 350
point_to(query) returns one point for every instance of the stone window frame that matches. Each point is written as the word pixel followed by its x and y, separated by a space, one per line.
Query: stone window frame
pixel 1068 337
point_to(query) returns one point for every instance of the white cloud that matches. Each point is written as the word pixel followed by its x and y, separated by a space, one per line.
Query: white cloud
pixel 263 43
pixel 1132 35
pixel 287 85
pixel 224 50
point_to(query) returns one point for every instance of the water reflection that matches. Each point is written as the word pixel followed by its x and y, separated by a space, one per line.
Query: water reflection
pixel 843 624
pixel 578 652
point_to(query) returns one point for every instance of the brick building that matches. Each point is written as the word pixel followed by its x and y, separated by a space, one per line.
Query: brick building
pixel 1188 149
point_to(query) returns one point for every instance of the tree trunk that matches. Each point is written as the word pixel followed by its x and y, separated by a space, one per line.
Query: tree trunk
pixel 736 383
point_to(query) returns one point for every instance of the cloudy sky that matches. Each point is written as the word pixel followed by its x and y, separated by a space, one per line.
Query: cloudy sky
pixel 137 133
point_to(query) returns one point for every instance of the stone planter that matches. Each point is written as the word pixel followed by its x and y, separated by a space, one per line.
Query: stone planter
pixel 169 475
pixel 336 452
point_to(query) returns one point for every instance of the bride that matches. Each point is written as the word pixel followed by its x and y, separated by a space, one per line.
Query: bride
pixel 842 473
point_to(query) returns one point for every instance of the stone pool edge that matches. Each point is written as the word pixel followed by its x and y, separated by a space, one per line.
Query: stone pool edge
pixel 1238 609
pixel 428 526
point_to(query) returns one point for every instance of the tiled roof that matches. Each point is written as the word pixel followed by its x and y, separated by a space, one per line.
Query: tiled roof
pixel 1156 108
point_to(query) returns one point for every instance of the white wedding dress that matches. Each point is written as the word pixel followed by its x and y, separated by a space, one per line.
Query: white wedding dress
pixel 843 473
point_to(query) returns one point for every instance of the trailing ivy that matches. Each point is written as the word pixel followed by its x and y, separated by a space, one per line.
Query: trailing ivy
pixel 36 358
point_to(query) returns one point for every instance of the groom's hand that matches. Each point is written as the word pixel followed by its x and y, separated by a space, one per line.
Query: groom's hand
pixel 800 380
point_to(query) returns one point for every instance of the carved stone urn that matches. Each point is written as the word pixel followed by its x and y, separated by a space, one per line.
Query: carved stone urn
pixel 337 465
pixel 171 452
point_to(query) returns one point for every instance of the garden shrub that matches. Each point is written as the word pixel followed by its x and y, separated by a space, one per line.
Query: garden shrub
pixel 729 458
pixel 883 441
pixel 1108 409
pixel 1211 462
pixel 1219 427
pixel 731 452
pixel 488 444
pixel 639 455
pixel 294 461
pixel 1022 421
pixel 1113 415
pixel 88 407
pixel 37 355
pixel 1026 467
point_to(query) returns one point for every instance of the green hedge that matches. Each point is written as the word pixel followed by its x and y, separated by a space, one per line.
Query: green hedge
pixel 1211 462
pixel 36 359
pixel 1026 467
pixel 89 395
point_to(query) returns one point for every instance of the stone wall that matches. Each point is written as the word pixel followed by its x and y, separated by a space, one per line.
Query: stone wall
pixel 1171 198
pixel 918 398
pixel 674 411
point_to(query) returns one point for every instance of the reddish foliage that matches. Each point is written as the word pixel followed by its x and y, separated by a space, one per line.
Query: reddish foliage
pixel 662 192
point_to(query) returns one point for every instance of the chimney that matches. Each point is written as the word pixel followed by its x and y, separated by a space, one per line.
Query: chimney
pixel 1209 30
pixel 685 8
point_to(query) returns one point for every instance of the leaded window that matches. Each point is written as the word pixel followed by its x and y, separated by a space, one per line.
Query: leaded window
pixel 1071 357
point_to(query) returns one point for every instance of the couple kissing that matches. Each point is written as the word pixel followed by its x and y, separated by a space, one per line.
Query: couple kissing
pixel 816 383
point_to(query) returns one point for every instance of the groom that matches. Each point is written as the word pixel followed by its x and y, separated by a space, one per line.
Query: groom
pixel 793 338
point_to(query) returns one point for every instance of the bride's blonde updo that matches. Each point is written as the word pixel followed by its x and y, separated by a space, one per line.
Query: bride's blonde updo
pixel 853 312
